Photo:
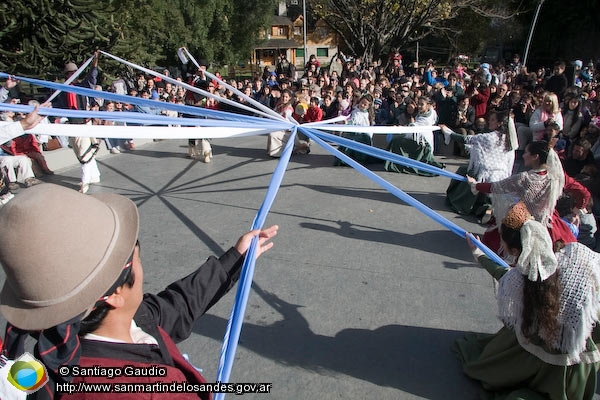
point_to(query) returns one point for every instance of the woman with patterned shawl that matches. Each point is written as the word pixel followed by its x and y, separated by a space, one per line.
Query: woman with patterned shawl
pixel 539 188
pixel 491 159
pixel 549 305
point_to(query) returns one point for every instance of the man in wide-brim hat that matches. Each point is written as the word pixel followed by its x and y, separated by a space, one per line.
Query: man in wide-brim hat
pixel 80 288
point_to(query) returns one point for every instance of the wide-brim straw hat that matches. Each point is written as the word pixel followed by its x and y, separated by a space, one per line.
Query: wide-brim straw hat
pixel 61 250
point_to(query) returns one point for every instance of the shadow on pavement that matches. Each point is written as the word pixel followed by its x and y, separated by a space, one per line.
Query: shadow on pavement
pixel 428 241
pixel 413 359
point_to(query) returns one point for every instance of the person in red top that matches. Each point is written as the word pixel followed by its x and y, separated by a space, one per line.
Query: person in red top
pixel 27 145
pixel 394 60
pixel 313 61
pixel 314 112
pixel 480 94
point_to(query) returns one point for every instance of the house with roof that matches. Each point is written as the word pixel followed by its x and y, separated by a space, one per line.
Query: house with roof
pixel 286 37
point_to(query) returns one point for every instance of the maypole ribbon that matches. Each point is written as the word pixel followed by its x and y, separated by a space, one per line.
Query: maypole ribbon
pixel 234 325
pixel 143 118
pixel 74 76
pixel 192 110
pixel 144 132
pixel 235 90
pixel 192 88
pixel 402 196
pixel 384 154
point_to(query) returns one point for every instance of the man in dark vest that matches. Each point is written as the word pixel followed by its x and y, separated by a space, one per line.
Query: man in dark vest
pixel 73 101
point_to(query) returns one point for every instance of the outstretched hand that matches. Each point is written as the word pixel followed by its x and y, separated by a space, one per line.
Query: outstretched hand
pixel 470 241
pixel 473 184
pixel 11 82
pixel 33 118
pixel 264 235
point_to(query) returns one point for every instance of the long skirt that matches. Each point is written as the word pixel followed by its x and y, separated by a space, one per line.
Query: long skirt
pixel 407 147
pixel 276 142
pixel 460 198
pixel 507 371
pixel 355 154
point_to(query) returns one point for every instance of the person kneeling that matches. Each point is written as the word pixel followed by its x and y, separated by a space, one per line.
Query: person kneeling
pixel 91 311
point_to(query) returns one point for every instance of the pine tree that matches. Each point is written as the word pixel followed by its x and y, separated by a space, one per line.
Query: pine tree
pixel 38 36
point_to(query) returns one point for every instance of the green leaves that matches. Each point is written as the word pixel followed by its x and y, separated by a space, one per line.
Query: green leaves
pixel 38 36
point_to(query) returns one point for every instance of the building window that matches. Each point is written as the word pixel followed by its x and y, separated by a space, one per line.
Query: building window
pixel 299 52
pixel 297 30
pixel 281 31
pixel 322 52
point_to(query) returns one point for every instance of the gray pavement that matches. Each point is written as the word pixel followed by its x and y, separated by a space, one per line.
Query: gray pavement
pixel 361 296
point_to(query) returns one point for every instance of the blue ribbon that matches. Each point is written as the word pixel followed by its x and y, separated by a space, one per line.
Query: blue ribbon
pixel 384 154
pixel 234 326
pixel 147 119
pixel 402 196
pixel 192 110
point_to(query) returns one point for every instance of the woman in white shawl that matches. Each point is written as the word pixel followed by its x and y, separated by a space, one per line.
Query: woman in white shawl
pixel 491 159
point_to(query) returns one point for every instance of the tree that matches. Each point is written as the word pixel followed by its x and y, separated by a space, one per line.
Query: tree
pixel 369 28
pixel 37 37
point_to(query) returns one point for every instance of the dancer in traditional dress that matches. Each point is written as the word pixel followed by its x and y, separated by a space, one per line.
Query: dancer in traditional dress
pixel 539 187
pixel 415 146
pixel 491 159
pixel 362 115
pixel 549 305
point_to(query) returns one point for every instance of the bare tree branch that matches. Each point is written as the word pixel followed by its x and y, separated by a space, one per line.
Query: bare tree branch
pixel 369 27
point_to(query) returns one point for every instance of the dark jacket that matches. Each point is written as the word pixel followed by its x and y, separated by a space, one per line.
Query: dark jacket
pixel 557 84
pixel 169 317
pixel 89 82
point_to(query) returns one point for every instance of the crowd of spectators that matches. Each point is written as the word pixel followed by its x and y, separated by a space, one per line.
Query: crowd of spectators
pixel 550 110
pixel 460 97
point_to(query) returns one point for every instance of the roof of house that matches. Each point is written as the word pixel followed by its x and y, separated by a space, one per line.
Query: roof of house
pixel 277 44
pixel 281 20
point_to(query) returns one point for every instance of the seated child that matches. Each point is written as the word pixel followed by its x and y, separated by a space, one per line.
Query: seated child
pixel 565 206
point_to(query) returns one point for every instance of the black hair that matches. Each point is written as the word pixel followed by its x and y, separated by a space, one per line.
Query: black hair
pixel 512 237
pixel 554 126
pixel 426 99
pixel 564 205
pixel 539 147
pixel 501 116
pixel 96 316
pixel 582 142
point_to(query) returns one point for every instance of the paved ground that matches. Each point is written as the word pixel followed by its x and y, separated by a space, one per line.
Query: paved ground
pixel 362 296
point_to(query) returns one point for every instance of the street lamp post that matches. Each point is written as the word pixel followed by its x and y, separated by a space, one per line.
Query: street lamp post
pixel 535 17
pixel 304 30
